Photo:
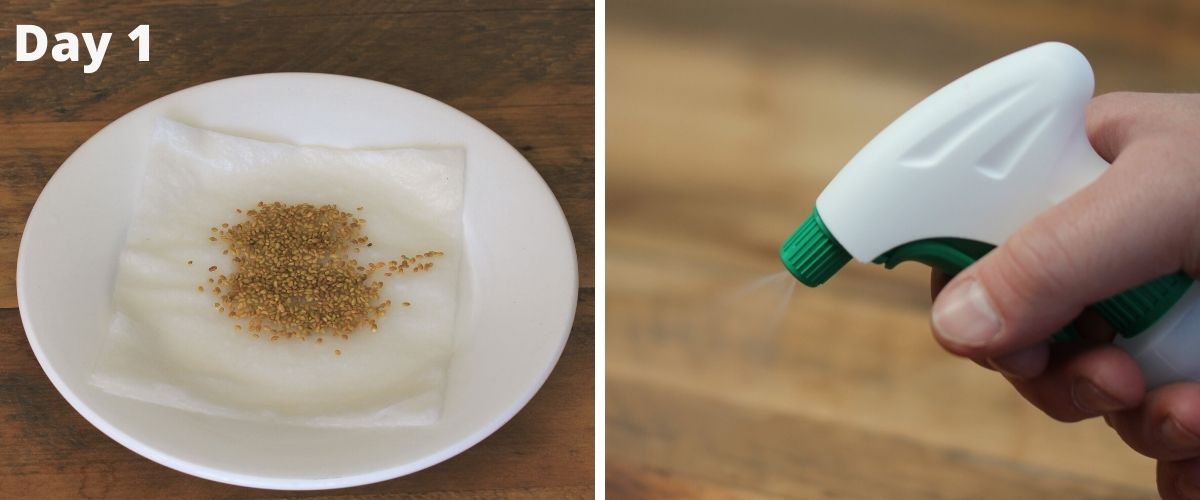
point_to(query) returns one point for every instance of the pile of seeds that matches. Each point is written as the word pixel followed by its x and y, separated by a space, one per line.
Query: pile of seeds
pixel 293 275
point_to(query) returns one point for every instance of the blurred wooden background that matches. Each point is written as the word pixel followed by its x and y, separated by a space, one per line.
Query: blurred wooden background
pixel 725 119
pixel 524 68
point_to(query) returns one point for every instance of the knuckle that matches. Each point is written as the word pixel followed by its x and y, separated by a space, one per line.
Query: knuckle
pixel 1108 119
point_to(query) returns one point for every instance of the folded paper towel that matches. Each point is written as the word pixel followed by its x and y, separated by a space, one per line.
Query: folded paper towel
pixel 168 345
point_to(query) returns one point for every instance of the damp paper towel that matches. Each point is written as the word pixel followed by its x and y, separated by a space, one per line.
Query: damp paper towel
pixel 168 345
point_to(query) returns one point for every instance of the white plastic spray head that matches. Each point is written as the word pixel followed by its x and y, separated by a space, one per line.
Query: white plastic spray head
pixel 975 160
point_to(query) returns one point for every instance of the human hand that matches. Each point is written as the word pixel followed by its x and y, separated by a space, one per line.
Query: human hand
pixel 1136 222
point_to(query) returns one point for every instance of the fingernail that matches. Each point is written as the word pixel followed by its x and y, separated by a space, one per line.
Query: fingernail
pixel 964 315
pixel 1091 400
pixel 1175 436
pixel 1023 364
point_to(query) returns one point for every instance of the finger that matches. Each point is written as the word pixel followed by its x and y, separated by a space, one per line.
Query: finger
pixel 937 281
pixel 1124 123
pixel 1045 274
pixel 1179 480
pixel 1091 382
pixel 1023 364
pixel 1166 426
pixel 1028 362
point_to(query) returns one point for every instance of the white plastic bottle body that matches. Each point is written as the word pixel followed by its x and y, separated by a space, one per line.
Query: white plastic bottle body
pixel 1169 351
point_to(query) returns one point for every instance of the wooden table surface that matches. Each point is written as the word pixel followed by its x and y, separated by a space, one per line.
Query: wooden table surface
pixel 725 119
pixel 524 68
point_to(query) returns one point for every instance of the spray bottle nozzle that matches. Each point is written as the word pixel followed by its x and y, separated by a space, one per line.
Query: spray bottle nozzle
pixel 811 253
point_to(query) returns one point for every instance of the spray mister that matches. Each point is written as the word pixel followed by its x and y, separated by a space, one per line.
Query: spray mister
pixel 964 169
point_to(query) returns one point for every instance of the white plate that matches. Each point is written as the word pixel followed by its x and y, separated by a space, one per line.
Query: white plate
pixel 518 286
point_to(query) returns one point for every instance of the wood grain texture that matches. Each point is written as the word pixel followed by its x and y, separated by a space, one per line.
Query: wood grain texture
pixel 524 68
pixel 724 122
pixel 748 452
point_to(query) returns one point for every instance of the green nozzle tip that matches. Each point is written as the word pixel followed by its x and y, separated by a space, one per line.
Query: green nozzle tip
pixel 812 254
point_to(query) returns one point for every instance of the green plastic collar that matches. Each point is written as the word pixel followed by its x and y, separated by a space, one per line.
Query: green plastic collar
pixel 811 253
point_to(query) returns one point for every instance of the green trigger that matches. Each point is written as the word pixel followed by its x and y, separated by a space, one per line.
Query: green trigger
pixel 950 256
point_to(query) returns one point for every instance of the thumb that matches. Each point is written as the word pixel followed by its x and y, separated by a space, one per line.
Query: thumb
pixel 1113 235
